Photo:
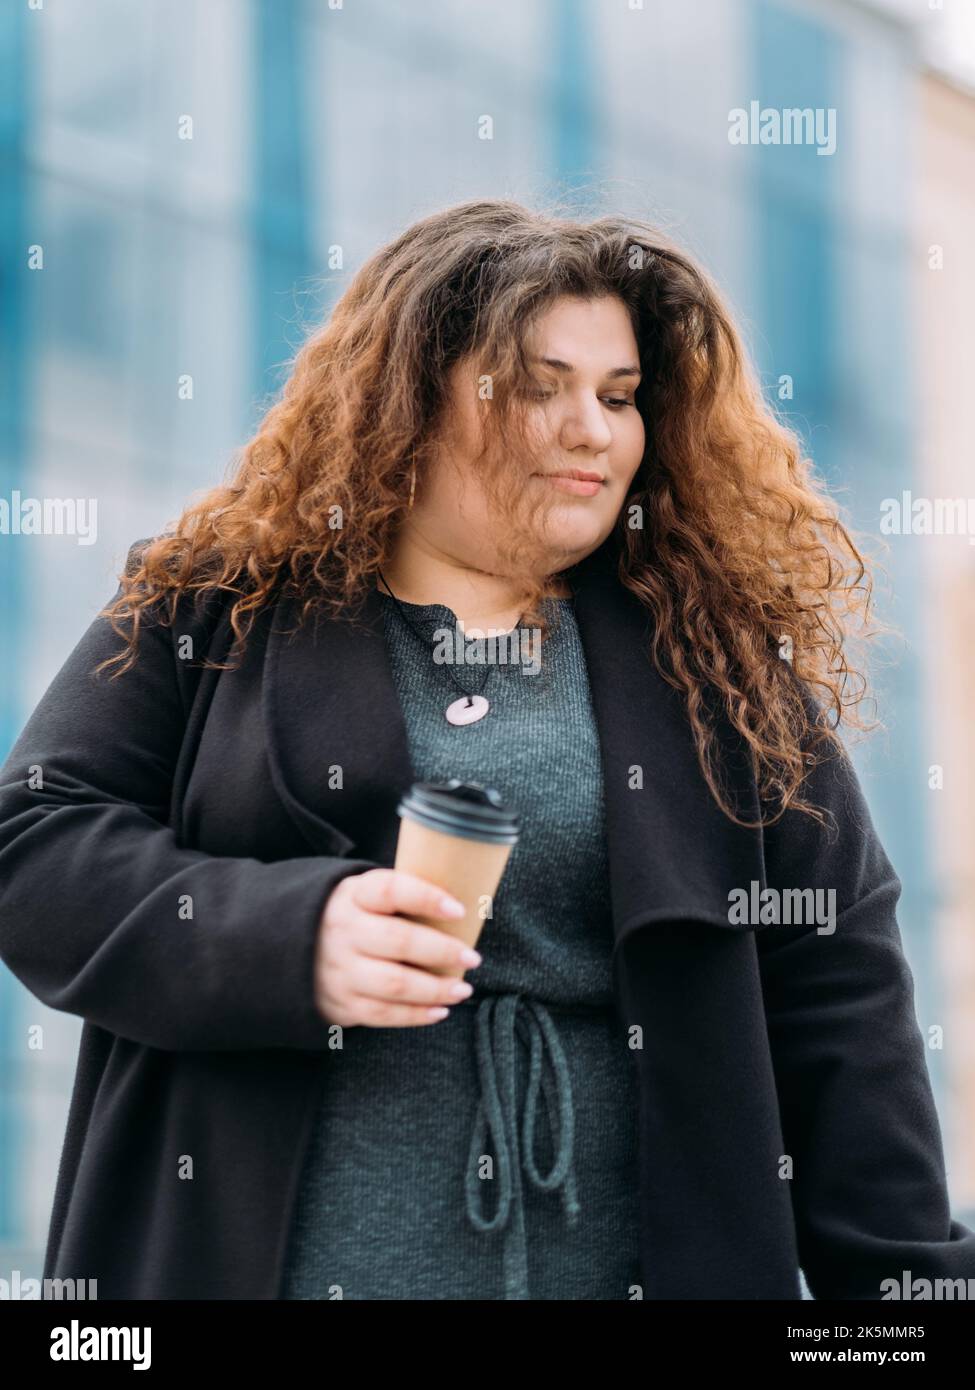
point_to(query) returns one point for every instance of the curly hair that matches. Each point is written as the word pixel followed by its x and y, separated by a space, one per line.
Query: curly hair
pixel 727 537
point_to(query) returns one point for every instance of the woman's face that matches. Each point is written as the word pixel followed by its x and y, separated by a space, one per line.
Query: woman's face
pixel 583 420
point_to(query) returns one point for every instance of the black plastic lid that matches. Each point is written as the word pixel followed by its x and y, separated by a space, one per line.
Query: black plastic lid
pixel 467 809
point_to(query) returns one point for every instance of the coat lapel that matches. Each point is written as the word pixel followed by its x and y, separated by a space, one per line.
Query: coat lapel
pixel 335 734
pixel 339 757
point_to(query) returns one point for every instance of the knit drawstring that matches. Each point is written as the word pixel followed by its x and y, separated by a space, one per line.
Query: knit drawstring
pixel 497 1016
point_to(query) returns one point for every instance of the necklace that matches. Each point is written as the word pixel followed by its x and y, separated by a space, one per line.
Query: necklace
pixel 473 705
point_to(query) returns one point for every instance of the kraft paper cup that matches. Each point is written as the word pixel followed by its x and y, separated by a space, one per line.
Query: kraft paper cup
pixel 459 836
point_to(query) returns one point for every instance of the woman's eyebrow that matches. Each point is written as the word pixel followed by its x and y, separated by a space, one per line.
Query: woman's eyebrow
pixel 561 366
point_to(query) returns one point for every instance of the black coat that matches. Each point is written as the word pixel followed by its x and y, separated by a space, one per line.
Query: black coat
pixel 173 786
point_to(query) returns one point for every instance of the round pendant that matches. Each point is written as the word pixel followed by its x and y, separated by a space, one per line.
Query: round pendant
pixel 467 709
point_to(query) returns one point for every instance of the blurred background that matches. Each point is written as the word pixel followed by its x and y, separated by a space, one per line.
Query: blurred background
pixel 188 188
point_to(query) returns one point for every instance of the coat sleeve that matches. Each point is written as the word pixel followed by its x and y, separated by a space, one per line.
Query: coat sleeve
pixel 869 1187
pixel 94 886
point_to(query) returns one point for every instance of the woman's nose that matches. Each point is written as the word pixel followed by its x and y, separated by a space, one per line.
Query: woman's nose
pixel 585 423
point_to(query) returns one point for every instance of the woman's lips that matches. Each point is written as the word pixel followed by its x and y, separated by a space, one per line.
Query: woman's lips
pixel 581 487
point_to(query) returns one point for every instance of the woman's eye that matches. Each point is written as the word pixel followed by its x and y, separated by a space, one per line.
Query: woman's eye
pixel 616 402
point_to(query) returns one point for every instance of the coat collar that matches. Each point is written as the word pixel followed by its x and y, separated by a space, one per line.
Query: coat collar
pixel 339 758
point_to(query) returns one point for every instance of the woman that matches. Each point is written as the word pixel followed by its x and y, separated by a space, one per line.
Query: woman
pixel 689 1064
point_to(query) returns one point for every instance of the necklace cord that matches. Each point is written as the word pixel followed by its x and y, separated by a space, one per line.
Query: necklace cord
pixel 419 635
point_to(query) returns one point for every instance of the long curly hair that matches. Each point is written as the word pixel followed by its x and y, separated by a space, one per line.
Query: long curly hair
pixel 753 581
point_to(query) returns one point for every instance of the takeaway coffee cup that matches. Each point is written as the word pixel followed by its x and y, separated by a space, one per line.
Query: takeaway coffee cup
pixel 457 835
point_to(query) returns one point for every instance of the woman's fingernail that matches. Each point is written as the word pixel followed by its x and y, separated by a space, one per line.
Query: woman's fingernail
pixel 452 907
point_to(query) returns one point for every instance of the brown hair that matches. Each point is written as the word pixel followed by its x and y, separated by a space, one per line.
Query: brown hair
pixel 727 537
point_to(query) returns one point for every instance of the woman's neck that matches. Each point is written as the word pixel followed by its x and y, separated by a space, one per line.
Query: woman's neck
pixel 479 599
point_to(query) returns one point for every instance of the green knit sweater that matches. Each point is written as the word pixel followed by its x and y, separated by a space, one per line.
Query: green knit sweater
pixel 492 1155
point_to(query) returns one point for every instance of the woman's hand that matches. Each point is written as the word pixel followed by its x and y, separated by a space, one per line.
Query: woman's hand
pixel 365 954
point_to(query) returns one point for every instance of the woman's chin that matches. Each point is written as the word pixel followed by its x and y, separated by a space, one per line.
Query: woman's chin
pixel 571 533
